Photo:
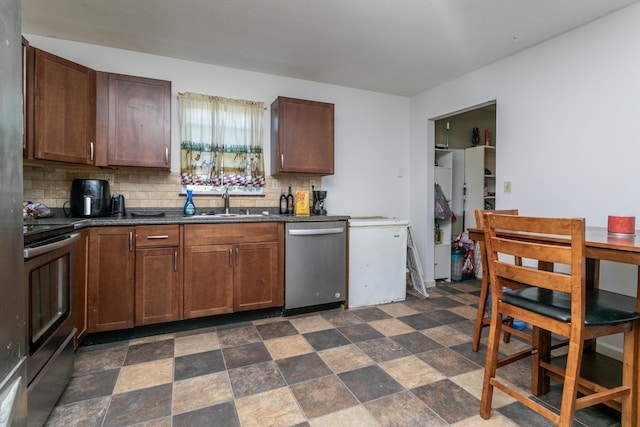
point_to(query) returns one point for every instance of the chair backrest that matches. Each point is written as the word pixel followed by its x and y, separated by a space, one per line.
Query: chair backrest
pixel 480 224
pixel 544 240
pixel 480 215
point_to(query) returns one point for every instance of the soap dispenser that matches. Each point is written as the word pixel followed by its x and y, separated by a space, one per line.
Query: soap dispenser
pixel 189 207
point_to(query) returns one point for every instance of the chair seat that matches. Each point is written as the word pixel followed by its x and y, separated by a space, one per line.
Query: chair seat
pixel 602 307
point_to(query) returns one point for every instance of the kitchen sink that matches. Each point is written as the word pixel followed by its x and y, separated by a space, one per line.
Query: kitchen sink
pixel 223 215
pixel 233 215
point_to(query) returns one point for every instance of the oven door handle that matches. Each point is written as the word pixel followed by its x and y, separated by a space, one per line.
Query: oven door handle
pixel 33 252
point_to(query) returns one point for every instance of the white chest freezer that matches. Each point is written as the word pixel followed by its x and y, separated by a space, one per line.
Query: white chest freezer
pixel 377 260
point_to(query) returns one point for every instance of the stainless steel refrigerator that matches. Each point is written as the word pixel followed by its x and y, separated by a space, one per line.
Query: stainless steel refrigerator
pixel 13 375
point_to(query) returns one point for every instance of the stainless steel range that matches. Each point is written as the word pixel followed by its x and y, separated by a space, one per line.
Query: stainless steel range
pixel 49 251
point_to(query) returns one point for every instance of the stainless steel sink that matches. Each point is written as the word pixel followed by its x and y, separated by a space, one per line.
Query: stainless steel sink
pixel 223 215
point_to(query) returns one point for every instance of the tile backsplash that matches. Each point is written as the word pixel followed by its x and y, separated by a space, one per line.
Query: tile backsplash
pixel 51 185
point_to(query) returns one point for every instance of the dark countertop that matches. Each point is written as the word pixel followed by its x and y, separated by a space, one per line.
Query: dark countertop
pixel 175 216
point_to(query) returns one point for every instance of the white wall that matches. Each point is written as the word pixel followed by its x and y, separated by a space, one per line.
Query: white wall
pixel 371 129
pixel 568 140
pixel 566 123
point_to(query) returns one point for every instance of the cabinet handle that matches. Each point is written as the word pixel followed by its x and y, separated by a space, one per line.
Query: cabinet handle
pixel 166 155
pixel 131 241
pixel 237 256
pixel 159 236
pixel 175 261
pixel 230 258
pixel 91 151
pixel 282 161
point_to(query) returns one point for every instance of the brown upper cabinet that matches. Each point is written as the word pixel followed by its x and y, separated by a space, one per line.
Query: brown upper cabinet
pixel 74 114
pixel 60 109
pixel 134 121
pixel 301 137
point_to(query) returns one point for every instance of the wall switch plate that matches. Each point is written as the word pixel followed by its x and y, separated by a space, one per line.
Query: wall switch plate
pixel 274 183
pixel 507 187
pixel 109 178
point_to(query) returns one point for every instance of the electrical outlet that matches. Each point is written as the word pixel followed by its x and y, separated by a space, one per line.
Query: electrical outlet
pixel 274 184
pixel 312 183
pixel 507 187
pixel 109 178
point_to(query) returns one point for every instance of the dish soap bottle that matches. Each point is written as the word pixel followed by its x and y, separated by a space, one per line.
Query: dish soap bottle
pixel 283 203
pixel 290 203
pixel 189 207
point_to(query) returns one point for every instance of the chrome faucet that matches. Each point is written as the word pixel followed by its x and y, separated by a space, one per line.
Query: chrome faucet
pixel 225 196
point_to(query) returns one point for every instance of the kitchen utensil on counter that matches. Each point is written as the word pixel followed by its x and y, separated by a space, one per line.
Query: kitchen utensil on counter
pixel 117 206
pixel 90 198
pixel 318 202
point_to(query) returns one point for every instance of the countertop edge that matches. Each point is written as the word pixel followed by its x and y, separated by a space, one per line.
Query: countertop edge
pixel 80 223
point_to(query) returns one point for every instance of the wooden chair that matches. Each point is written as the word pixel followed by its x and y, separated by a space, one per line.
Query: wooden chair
pixel 555 303
pixel 481 317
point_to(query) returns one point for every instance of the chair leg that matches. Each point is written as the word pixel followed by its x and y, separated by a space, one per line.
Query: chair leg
pixel 570 387
pixel 506 336
pixel 482 307
pixel 490 365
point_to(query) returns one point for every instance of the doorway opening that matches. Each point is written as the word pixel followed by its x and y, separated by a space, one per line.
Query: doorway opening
pixel 465 171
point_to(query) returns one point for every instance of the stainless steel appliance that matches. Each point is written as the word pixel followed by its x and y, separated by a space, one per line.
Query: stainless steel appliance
pixel 13 367
pixel 315 264
pixel 90 198
pixel 49 252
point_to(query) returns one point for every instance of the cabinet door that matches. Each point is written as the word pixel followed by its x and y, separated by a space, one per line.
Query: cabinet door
pixel 257 281
pixel 158 297
pixel 80 286
pixel 208 280
pixel 302 136
pixel 111 274
pixel 139 121
pixel 64 110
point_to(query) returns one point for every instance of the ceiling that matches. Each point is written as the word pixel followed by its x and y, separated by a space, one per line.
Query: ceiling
pixel 400 47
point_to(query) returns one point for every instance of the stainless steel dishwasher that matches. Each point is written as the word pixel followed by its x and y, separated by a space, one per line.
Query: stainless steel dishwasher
pixel 315 264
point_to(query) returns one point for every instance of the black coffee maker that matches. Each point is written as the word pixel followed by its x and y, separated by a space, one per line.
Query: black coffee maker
pixel 318 203
pixel 117 206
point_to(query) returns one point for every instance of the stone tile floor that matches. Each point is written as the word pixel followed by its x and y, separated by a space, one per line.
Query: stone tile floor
pixel 400 364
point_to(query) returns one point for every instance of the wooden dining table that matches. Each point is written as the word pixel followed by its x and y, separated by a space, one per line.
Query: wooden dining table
pixel 600 245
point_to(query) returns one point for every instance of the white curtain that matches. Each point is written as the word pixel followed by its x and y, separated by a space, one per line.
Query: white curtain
pixel 221 143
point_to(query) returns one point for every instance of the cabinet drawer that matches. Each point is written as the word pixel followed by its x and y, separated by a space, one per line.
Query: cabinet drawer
pixel 215 234
pixel 155 236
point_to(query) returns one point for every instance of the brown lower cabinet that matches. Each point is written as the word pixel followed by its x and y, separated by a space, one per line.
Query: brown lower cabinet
pixel 153 274
pixel 81 282
pixel 158 295
pixel 111 275
pixel 232 267
pixel 208 280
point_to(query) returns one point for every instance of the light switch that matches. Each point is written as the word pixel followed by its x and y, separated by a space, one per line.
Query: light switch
pixel 507 187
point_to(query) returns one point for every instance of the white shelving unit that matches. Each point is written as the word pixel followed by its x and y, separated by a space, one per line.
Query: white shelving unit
pixel 442 249
pixel 480 180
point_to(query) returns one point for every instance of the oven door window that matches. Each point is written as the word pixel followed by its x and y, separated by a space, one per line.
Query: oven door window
pixel 49 299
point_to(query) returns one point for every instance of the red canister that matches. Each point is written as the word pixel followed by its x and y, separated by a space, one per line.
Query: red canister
pixel 621 224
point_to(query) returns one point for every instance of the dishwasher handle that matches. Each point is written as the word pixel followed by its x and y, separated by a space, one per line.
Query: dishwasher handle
pixel 316 231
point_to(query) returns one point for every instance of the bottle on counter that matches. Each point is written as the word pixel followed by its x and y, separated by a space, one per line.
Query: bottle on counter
pixel 283 203
pixel 189 207
pixel 290 202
